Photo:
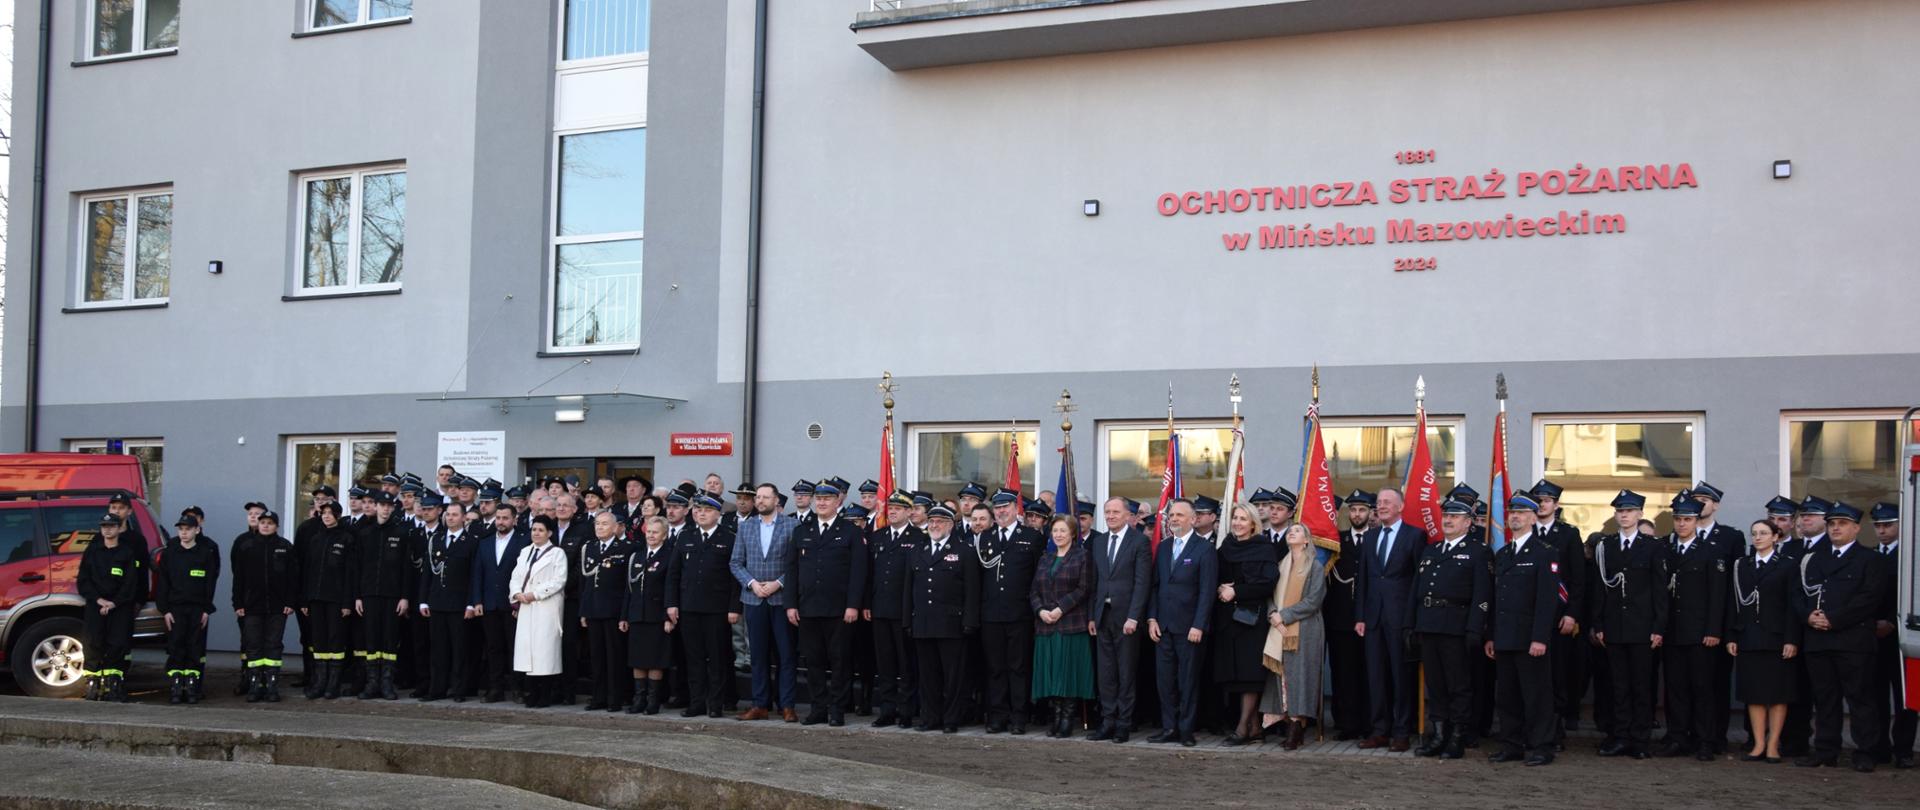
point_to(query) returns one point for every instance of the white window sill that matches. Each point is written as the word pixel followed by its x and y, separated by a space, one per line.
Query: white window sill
pixel 126 57
pixel 325 293
pixel 359 26
pixel 116 306
pixel 588 351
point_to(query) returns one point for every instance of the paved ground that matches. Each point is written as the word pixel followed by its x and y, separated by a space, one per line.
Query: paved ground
pixel 1324 774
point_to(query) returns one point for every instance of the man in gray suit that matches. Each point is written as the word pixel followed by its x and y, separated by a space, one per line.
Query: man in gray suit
pixel 1122 578
pixel 759 565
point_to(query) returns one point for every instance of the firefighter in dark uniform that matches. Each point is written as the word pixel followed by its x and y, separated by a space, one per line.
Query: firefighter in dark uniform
pixel 1841 596
pixel 1447 615
pixel 266 587
pixel 703 601
pixel 940 607
pixel 1733 546
pixel 382 593
pixel 1631 622
pixel 1897 744
pixel 1345 653
pixel 446 579
pixel 603 596
pixel 571 538
pixel 827 564
pixel 1526 609
pixel 326 583
pixel 1569 647
pixel 893 547
pixel 1009 552
pixel 112 581
pixel 1696 623
pixel 184 578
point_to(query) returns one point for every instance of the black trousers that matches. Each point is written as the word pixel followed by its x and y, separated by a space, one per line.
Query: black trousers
pixel 1480 670
pixel 1569 675
pixel 1525 701
pixel 1796 731
pixel 1690 695
pixel 1177 671
pixel 1115 666
pixel 607 661
pixel 109 640
pixel 307 668
pixel 1389 681
pixel 1348 658
pixel 573 647
pixel 1601 675
pixel 1008 647
pixel 448 653
pixel 893 670
pixel 1630 667
pixel 186 642
pixel 826 646
pixel 327 632
pixel 416 659
pixel 1847 676
pixel 496 627
pixel 1449 684
pixel 709 642
pixel 381 628
pixel 263 637
pixel 943 688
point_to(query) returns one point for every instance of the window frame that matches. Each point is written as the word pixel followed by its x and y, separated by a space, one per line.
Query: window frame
pixel 1103 431
pixel 562 65
pixel 1697 419
pixel 83 445
pixel 357 194
pixel 131 198
pixel 343 474
pixel 363 17
pixel 910 454
pixel 1457 422
pixel 139 50
pixel 1788 417
pixel 555 240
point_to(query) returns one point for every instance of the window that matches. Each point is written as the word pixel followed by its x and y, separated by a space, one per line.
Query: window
pixel 600 28
pixel 130 27
pixel 1851 456
pixel 598 236
pixel 1594 457
pixel 943 458
pixel 353 230
pixel 126 248
pixel 151 452
pixel 1373 454
pixel 1134 456
pixel 336 461
pixel 19 533
pixel 336 13
pixel 71 528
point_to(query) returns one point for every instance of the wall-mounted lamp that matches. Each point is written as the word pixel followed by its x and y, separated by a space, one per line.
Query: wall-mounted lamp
pixel 1782 169
pixel 570 409
pixel 216 266
pixel 1090 208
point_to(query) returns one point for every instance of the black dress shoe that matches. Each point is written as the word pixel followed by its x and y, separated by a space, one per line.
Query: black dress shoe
pixel 886 719
pixel 714 713
pixel 1816 760
pixel 1187 741
pixel 1673 749
pixel 1613 748
pixel 814 719
pixel 904 721
pixel 1233 741
pixel 1165 735
pixel 1100 734
pixel 595 705
pixel 1863 764
pixel 923 727
pixel 1539 759
pixel 1753 758
pixel 836 718
pixel 950 730
pixel 1639 753
pixel 997 727
pixel 1120 736
pixel 431 698
pixel 1504 755
pixel 1704 755
pixel 459 698
pixel 1019 727
pixel 1903 761
pixel 690 711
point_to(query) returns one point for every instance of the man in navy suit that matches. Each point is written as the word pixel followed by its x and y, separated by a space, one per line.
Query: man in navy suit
pixel 759 564
pixel 1185 572
pixel 1389 559
pixel 492 570
pixel 1122 570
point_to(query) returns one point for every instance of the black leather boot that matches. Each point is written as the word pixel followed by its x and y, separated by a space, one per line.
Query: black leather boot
pixel 370 689
pixel 272 678
pixel 1434 743
pixel 387 692
pixel 177 693
pixel 333 672
pixel 639 702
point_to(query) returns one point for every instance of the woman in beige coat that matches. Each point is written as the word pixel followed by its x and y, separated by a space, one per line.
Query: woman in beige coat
pixel 539 578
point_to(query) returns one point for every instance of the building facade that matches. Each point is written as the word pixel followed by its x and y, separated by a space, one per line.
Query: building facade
pixel 290 242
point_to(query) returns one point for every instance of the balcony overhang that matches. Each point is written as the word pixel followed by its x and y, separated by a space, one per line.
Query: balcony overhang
pixel 920 35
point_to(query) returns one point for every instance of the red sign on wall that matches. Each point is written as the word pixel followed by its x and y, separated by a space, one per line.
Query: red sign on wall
pixel 702 444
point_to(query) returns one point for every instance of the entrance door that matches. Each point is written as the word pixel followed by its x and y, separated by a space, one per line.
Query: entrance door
pixel 589 469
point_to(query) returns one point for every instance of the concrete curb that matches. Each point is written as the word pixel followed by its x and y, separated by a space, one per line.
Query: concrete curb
pixel 601 768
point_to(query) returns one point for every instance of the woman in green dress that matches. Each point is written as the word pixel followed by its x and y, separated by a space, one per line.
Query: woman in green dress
pixel 1062 632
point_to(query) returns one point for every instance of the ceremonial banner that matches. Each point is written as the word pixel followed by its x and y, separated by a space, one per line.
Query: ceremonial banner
pixel 886 474
pixel 1422 491
pixel 1500 488
pixel 1317 510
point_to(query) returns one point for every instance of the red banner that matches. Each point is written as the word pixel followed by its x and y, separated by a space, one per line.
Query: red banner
pixel 1422 491
pixel 1317 498
pixel 701 444
pixel 886 474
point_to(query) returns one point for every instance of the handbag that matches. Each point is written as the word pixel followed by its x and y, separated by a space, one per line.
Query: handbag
pixel 1246 615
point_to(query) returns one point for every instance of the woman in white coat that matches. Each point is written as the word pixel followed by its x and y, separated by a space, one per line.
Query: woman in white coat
pixel 539 578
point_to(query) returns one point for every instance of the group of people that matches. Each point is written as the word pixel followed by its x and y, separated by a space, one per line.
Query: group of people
pixel 990 608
